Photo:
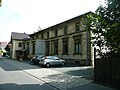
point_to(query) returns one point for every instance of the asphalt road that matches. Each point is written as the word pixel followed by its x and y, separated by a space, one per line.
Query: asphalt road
pixel 15 75
pixel 12 78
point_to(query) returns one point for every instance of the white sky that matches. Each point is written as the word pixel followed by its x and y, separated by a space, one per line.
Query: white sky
pixel 27 15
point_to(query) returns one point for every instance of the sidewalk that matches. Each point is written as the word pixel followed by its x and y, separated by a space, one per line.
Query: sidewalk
pixel 57 79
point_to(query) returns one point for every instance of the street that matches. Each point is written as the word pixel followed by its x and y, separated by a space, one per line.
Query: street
pixel 15 75
pixel 12 78
pixel 21 75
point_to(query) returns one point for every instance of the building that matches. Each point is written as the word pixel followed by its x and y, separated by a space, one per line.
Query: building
pixel 69 40
pixel 18 47
pixel 0 2
pixel 2 48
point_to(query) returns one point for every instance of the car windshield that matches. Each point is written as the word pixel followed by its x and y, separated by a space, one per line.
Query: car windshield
pixel 39 57
pixel 56 58
pixel 49 57
pixel 35 57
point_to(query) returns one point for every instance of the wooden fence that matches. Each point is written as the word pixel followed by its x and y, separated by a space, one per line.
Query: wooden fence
pixel 107 71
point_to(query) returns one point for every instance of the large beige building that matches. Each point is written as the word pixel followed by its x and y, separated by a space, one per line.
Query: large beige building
pixel 69 40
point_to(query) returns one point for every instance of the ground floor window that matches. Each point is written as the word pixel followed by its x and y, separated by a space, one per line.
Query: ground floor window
pixel 77 46
pixel 33 51
pixel 47 48
pixel 65 46
pixel 55 47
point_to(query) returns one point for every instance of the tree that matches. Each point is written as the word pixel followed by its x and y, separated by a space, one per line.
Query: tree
pixel 105 26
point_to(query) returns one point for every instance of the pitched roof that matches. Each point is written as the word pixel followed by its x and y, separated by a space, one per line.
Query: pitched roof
pixel 77 17
pixel 19 36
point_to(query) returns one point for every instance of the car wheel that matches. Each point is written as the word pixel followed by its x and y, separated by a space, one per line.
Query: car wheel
pixel 63 64
pixel 48 65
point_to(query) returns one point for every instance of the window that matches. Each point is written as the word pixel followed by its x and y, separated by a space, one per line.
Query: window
pixel 33 38
pixel 77 26
pixel 47 34
pixel 56 33
pixel 28 45
pixel 41 36
pixel 65 46
pixel 33 48
pixel 56 47
pixel 65 29
pixel 77 46
pixel 47 48
pixel 19 44
pixel 37 36
pixel 23 45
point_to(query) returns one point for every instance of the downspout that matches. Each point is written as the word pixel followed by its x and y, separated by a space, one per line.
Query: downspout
pixel 86 27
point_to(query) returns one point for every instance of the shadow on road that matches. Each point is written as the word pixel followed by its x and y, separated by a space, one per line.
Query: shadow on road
pixel 8 67
pixel 12 65
pixel 86 73
pixel 12 86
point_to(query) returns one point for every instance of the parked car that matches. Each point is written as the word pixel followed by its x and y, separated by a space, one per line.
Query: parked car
pixel 51 60
pixel 36 59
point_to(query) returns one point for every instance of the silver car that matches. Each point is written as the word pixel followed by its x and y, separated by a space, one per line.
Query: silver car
pixel 51 60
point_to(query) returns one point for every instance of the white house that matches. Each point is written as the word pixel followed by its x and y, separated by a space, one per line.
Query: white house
pixel 16 42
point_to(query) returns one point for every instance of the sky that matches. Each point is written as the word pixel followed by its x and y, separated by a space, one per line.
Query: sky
pixel 26 16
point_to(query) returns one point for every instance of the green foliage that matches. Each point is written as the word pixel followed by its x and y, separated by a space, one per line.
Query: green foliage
pixel 105 26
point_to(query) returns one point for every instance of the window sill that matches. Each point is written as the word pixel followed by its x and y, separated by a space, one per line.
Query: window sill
pixel 65 54
pixel 77 54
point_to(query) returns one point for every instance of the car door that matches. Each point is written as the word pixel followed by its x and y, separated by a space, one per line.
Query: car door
pixel 50 60
pixel 56 60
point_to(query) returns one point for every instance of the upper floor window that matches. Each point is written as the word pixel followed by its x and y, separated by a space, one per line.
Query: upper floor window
pixel 56 33
pixel 65 29
pixel 77 26
pixel 41 36
pixel 27 45
pixel 33 38
pixel 33 48
pixel 19 44
pixel 47 34
pixel 23 45
pixel 37 36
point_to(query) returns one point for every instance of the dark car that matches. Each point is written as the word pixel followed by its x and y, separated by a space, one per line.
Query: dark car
pixel 36 59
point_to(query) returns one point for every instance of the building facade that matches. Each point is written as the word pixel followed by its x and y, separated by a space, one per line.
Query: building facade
pixel 19 47
pixel 69 40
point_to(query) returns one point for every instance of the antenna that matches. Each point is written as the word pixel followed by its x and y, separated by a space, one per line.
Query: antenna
pixel 39 28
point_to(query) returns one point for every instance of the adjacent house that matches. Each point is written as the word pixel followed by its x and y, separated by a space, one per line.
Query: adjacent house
pixel 2 48
pixel 69 40
pixel 17 42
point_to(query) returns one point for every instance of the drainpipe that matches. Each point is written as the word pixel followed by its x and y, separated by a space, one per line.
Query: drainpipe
pixel 86 27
